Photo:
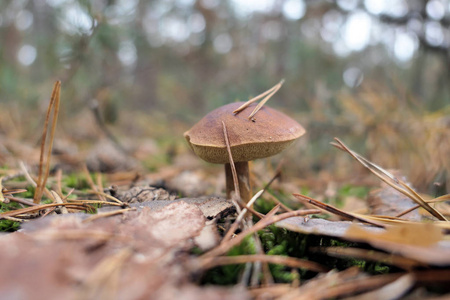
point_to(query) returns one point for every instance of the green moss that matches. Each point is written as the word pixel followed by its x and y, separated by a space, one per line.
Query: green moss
pixel 8 225
pixel 355 191
pixel 229 274
pixel 29 194
pixel 75 181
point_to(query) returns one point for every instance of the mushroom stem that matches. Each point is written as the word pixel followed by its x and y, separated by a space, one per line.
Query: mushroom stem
pixel 243 180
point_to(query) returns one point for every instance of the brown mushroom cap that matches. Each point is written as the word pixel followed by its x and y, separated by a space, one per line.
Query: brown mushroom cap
pixel 270 133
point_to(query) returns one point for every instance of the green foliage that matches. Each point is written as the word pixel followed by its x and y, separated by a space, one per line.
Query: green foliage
pixel 8 225
pixel 29 194
pixel 75 181
pixel 351 190
pixel 229 274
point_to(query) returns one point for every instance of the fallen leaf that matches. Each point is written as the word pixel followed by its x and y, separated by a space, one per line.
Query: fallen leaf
pixel 417 234
pixel 435 254
pixel 135 255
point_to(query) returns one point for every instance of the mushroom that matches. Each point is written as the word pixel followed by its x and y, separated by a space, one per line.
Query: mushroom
pixel 270 133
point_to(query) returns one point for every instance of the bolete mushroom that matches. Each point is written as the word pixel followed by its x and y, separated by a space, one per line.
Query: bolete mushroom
pixel 268 134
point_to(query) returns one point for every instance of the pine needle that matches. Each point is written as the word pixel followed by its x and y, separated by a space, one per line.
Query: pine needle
pixel 269 94
pixel 44 167
pixel 391 180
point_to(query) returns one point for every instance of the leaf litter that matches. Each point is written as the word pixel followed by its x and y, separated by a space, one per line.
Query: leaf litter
pixel 141 241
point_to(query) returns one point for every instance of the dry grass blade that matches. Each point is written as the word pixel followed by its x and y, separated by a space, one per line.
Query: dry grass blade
pixel 91 183
pixel 391 180
pixel 355 286
pixel 336 211
pixel 103 281
pixel 44 170
pixel 438 199
pixel 388 220
pixel 222 248
pixel 77 201
pixel 241 204
pixel 274 291
pixel 240 217
pixel 2 199
pixel 372 255
pixel 273 259
pixel 246 104
pixel 101 195
pixel 107 214
pixel 59 200
pixel 37 208
pixel 263 101
pixel 21 201
pixel 230 156
pixel 32 182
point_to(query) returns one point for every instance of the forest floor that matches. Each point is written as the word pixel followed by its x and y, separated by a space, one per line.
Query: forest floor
pixel 88 215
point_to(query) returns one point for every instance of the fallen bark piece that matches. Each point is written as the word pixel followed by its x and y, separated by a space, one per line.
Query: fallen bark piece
pixel 212 207
pixel 135 255
pixel 142 194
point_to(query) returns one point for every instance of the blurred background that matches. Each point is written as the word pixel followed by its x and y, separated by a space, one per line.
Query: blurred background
pixel 374 73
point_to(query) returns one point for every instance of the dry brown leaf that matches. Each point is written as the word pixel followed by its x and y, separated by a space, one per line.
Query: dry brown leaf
pixel 142 194
pixel 393 290
pixel 436 254
pixel 416 234
pixel 137 255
